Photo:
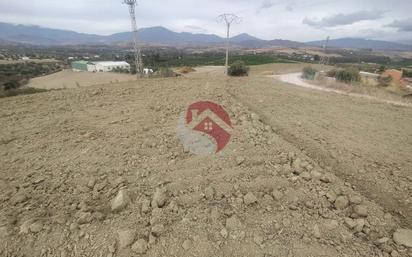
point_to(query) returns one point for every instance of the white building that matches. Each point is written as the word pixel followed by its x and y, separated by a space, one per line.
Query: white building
pixel 107 66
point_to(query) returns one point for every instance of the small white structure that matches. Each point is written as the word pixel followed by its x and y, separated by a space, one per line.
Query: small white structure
pixel 147 71
pixel 25 58
pixel 108 66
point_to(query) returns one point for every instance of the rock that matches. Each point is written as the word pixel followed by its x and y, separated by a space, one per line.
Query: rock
pixel 120 201
pixel 258 239
pixel 354 199
pixel 316 231
pixel 341 202
pixel 36 227
pixel 350 223
pixel 240 160
pixel 159 198
pixel 326 178
pixel 361 210
pixel 126 237
pixel 19 198
pixel 209 193
pixel 84 218
pixel 140 246
pixel 249 199
pixel 403 237
pixel 306 176
pixel 360 223
pixel 91 183
pixel 233 223
pixel 331 195
pixel 157 230
pixel 187 244
pixel 25 227
pixel 382 240
pixel 297 168
pixel 224 233
pixel 277 195
pixel 394 253
pixel 145 206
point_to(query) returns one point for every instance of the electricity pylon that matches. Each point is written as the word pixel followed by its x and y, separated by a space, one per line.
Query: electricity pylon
pixel 137 51
pixel 228 18
pixel 324 60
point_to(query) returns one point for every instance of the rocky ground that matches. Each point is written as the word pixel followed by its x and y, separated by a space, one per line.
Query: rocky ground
pixel 99 171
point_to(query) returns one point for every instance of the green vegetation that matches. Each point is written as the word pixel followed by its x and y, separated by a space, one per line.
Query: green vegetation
pixel 348 75
pixel 407 73
pixel 309 73
pixel 13 76
pixel 238 68
pixel 384 81
pixel 212 59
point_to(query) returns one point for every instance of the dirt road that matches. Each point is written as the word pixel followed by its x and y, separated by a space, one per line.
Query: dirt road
pixel 296 79
pixel 99 171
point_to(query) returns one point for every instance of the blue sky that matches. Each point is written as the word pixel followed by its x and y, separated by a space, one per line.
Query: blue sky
pixel 301 20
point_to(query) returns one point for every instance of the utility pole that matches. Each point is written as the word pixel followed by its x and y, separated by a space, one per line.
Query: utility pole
pixel 228 18
pixel 324 60
pixel 137 52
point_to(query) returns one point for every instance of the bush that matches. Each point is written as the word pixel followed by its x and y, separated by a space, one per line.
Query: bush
pixel 348 75
pixel 384 81
pixel 309 73
pixel 166 73
pixel 331 73
pixel 238 68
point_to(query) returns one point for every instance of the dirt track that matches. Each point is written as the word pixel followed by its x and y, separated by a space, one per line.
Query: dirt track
pixel 298 178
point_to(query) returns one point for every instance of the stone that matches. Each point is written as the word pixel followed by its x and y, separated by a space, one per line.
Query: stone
pixel 331 195
pixel 316 231
pixel 249 199
pixel 187 244
pixel 360 223
pixel 361 210
pixel 157 230
pixel 240 160
pixel 120 201
pixel 306 176
pixel 36 227
pixel 159 198
pixel 140 246
pixel 258 239
pixel 354 199
pixel 382 240
pixel 403 237
pixel 145 206
pixel 233 223
pixel 224 233
pixel 277 195
pixel 394 253
pixel 84 218
pixel 341 202
pixel 209 193
pixel 350 223
pixel 297 168
pixel 126 237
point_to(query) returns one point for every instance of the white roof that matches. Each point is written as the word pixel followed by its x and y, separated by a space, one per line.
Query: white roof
pixel 111 63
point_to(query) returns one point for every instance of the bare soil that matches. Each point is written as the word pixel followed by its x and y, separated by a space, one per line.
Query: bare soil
pixel 99 171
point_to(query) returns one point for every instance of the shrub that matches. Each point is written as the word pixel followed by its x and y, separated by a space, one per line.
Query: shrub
pixel 166 73
pixel 407 73
pixel 348 75
pixel 309 73
pixel 331 73
pixel 384 81
pixel 238 68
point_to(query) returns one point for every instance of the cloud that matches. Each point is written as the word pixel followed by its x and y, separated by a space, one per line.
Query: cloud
pixel 402 25
pixel 266 4
pixel 343 19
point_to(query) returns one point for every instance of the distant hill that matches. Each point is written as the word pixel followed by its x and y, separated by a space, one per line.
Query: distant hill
pixel 35 35
pixel 363 44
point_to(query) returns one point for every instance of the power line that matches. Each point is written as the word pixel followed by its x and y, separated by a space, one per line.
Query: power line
pixel 137 52
pixel 228 18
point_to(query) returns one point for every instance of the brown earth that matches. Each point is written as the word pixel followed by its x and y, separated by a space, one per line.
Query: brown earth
pixel 99 171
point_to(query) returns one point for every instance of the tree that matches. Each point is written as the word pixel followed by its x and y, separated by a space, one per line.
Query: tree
pixel 238 68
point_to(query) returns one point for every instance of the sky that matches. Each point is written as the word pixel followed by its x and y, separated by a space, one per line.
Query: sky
pixel 300 20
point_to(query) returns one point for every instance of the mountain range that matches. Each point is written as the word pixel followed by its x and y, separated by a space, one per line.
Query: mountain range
pixel 35 35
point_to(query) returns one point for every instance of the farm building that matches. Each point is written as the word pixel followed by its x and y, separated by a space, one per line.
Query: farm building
pixel 80 65
pixel 109 66
pixel 99 66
